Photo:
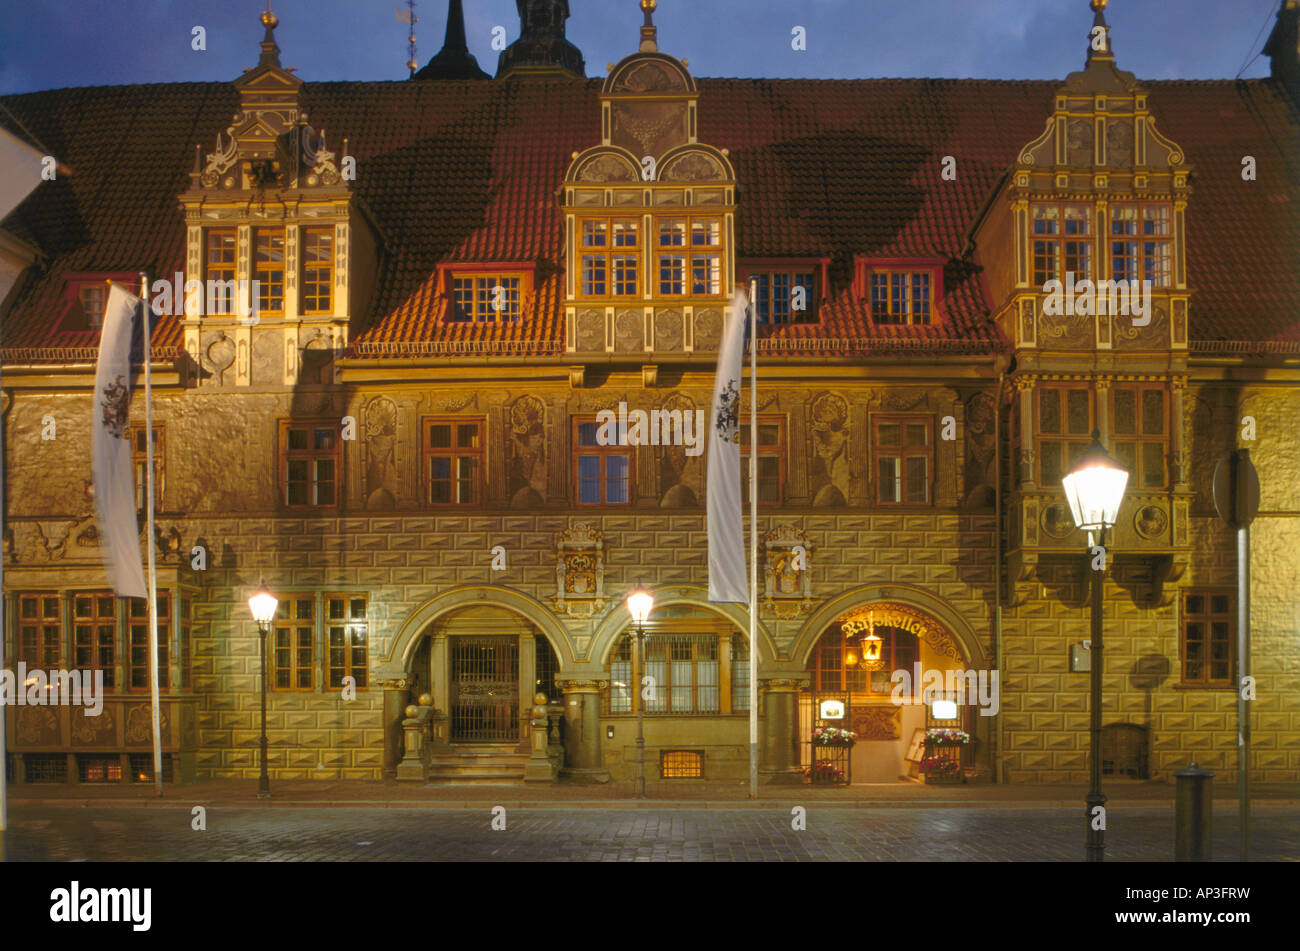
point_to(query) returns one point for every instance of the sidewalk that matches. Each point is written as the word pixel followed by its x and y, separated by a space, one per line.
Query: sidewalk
pixel 325 793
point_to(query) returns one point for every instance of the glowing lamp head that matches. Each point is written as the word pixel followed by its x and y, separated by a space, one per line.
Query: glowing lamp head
pixel 851 658
pixel 871 647
pixel 1094 487
pixel 262 605
pixel 640 603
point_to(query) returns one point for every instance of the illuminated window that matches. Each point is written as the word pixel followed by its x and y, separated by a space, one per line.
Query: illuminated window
pixel 220 264
pixel 292 651
pixel 92 298
pixel 681 764
pixel 1209 633
pixel 1141 244
pixel 40 637
pixel 268 269
pixel 610 257
pixel 453 461
pixel 836 662
pixel 138 648
pixel 1064 430
pixel 317 270
pixel 901 297
pixel 486 296
pixel 94 633
pixel 904 454
pixel 771 460
pixel 1140 432
pixel 310 461
pixel 690 259
pixel 602 474
pixel 683 669
pixel 348 644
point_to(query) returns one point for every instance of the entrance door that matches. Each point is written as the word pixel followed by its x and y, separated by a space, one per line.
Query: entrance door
pixel 484 689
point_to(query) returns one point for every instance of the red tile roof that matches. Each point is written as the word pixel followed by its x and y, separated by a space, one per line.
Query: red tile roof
pixel 469 172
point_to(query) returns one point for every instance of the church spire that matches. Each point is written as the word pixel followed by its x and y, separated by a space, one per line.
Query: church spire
pixel 1099 35
pixel 542 48
pixel 454 60
pixel 270 52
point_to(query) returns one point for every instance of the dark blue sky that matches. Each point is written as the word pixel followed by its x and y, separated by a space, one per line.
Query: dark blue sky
pixel 46 44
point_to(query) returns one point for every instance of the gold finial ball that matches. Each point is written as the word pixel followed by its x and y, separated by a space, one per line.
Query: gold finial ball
pixel 412 65
pixel 540 699
pixel 1098 5
pixel 425 700
pixel 412 711
pixel 649 6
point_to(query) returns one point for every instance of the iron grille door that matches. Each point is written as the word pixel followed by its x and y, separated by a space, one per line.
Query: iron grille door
pixel 484 689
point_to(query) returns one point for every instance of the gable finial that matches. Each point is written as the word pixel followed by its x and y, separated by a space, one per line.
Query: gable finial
pixel 649 32
pixel 1099 43
pixel 270 52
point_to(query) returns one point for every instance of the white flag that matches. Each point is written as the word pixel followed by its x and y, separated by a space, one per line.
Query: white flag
pixel 110 444
pixel 23 166
pixel 727 580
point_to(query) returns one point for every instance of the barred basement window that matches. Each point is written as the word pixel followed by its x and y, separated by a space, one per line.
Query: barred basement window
pixel 45 767
pixel 348 650
pixel 99 769
pixel 681 764
pixel 142 768
pixel 292 652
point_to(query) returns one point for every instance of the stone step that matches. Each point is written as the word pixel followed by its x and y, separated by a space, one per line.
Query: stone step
pixel 470 764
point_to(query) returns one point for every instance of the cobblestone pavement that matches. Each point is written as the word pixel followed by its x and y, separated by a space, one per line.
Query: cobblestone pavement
pixel 619 835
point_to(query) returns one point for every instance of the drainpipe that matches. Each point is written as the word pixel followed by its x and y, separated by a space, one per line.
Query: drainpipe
pixel 1002 363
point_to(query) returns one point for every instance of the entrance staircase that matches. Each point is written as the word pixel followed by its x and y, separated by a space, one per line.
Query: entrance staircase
pixel 478 763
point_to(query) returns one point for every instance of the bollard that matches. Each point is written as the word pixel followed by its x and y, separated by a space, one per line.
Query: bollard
pixel 1192 812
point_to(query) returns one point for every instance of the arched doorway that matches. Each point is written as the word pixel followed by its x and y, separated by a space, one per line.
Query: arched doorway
pixel 873 670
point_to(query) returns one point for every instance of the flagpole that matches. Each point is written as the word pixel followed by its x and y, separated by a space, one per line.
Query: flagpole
pixel 149 540
pixel 753 538
pixel 4 755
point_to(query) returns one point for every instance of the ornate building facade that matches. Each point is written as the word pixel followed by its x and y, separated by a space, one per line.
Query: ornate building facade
pixel 405 443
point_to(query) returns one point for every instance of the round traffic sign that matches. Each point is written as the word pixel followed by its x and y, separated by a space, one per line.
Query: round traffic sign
pixel 1236 489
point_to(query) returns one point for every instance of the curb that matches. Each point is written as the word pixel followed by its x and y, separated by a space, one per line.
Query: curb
pixel 616 804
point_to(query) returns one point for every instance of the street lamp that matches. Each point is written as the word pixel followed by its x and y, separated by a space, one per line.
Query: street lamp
pixel 640 603
pixel 1094 487
pixel 262 606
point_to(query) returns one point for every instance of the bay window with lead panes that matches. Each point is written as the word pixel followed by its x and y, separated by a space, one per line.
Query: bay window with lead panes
pixel 602 474
pixel 317 270
pixel 689 256
pixel 904 455
pixel 347 644
pixel 486 296
pixel 1061 242
pixel 1208 638
pixel 771 460
pixel 453 461
pixel 268 269
pixel 1064 432
pixel 138 645
pixel 1140 432
pixel 219 263
pixel 94 633
pixel 610 257
pixel 309 455
pixel 293 655
pixel 1141 242
pixel 40 631
pixel 901 297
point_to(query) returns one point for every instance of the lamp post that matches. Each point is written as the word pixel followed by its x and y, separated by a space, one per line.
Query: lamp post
pixel 1094 487
pixel 640 603
pixel 262 606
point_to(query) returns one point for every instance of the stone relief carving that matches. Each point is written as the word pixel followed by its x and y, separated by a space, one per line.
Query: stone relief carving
pixel 1151 522
pixel 1057 521
pixel 668 330
pixel 878 722
pixel 981 450
pixel 787 578
pixel 1154 334
pixel 1119 143
pixel 607 168
pixel 1078 142
pixel 830 475
pixel 649 128
pixel 219 356
pixel 590 332
pixel 381 466
pixel 708 329
pixel 692 167
pixel 1066 331
pixel 579 571
pixel 526 468
pixel 629 331
pixel 680 475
